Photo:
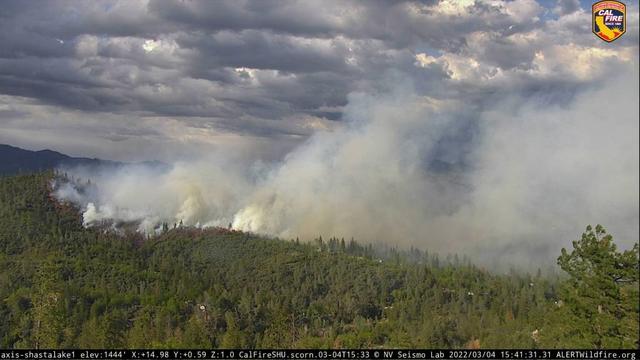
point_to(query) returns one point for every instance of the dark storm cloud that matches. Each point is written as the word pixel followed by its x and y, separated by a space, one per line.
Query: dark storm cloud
pixel 567 6
pixel 312 18
pixel 259 50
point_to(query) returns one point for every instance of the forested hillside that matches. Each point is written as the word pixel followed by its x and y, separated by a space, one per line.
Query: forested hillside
pixel 62 285
pixel 16 160
pixel 20 161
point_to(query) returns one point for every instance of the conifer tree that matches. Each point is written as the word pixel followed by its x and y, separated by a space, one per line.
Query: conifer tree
pixel 601 293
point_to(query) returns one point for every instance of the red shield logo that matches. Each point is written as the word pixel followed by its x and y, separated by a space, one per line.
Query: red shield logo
pixel 609 19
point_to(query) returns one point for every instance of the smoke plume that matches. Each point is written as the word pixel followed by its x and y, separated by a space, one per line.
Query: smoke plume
pixel 515 181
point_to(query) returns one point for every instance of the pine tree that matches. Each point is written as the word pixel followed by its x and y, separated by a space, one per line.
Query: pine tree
pixel 598 293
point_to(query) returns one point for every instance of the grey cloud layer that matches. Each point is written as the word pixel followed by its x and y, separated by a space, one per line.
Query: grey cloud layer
pixel 278 69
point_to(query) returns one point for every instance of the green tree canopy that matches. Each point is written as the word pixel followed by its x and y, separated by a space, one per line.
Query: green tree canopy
pixel 602 292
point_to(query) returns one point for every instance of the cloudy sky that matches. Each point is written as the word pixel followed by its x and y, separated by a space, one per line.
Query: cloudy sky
pixel 142 80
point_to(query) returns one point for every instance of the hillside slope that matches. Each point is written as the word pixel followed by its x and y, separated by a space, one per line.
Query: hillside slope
pixel 65 286
pixel 14 160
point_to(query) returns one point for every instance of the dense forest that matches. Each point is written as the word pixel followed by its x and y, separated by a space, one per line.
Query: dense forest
pixel 62 285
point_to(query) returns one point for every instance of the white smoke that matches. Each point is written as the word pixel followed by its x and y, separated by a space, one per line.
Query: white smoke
pixel 199 193
pixel 535 176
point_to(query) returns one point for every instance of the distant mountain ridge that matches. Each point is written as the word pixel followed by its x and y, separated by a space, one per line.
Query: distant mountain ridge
pixel 14 160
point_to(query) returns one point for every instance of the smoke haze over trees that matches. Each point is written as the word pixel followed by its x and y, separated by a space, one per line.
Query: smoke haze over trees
pixel 528 177
pixel 67 286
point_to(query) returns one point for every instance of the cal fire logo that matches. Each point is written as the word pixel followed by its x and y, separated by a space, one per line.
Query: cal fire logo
pixel 609 19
